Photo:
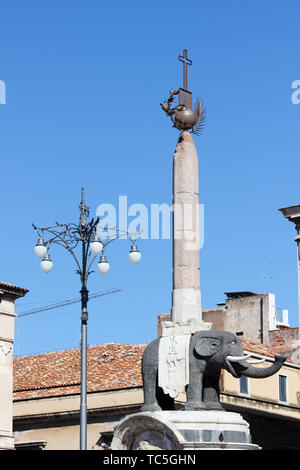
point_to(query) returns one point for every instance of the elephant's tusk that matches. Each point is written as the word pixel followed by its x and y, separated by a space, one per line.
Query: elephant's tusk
pixel 238 358
pixel 256 361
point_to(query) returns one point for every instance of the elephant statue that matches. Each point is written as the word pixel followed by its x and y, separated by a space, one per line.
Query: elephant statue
pixel 209 352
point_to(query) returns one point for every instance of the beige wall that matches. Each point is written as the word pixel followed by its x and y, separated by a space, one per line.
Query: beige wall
pixel 67 437
pixel 268 389
pixel 7 317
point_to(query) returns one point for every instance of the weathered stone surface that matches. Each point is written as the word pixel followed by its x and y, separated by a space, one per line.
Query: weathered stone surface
pixel 188 430
pixel 186 312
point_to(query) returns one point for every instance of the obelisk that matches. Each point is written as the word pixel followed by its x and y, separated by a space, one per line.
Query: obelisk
pixel 186 311
pixel 169 363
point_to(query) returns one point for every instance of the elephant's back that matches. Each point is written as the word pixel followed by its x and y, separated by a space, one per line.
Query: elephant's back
pixel 150 355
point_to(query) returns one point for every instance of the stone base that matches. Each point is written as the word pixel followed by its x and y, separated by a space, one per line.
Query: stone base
pixel 183 430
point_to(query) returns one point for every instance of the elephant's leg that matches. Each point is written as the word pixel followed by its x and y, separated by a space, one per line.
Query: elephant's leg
pixel 211 393
pixel 149 372
pixel 150 401
pixel 194 393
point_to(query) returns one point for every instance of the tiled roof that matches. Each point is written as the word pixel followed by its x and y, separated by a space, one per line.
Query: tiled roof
pixel 12 288
pixel 264 350
pixel 109 366
pixel 284 335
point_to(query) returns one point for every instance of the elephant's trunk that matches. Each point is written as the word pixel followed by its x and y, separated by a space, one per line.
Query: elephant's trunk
pixel 246 369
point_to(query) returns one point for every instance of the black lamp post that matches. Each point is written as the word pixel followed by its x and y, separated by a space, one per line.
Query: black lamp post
pixel 70 236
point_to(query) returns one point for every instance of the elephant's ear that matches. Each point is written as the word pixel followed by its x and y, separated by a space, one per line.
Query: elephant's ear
pixel 206 347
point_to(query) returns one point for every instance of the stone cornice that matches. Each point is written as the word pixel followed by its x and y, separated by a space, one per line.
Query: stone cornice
pixel 267 407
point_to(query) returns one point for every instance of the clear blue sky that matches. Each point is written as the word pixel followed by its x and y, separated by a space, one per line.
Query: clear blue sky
pixel 84 81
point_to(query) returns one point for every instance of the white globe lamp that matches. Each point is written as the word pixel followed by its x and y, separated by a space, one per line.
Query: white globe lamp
pixel 96 246
pixel 134 255
pixel 46 264
pixel 103 265
pixel 40 249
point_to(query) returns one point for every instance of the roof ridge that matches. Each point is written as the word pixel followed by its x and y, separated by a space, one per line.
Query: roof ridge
pixel 45 387
pixel 78 349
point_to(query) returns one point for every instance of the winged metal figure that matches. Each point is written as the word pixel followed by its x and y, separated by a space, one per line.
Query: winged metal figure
pixel 183 117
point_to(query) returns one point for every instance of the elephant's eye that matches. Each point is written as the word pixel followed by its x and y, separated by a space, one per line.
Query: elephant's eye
pixel 233 342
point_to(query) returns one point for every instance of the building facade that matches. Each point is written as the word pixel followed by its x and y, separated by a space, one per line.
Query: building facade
pixel 40 394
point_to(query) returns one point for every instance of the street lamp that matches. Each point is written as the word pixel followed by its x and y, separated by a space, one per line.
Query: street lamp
pixel 86 235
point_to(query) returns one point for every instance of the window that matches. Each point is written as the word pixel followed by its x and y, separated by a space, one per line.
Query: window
pixel 282 388
pixel 244 385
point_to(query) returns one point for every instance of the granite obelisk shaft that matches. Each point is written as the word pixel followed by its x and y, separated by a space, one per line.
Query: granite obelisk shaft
pixel 186 312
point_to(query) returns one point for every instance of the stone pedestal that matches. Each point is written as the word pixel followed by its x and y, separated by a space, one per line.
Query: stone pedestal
pixel 183 430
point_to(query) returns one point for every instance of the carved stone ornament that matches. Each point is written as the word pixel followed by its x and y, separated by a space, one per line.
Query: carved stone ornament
pixel 173 364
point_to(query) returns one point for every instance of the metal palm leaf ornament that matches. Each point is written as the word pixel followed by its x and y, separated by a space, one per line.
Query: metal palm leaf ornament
pixel 184 116
pixel 201 115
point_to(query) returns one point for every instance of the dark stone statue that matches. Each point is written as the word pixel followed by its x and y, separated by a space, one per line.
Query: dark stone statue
pixel 209 353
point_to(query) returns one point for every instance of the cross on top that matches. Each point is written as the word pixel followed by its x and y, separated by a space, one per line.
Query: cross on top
pixel 184 58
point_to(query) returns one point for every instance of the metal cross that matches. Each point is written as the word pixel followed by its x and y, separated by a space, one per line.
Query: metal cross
pixel 184 58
